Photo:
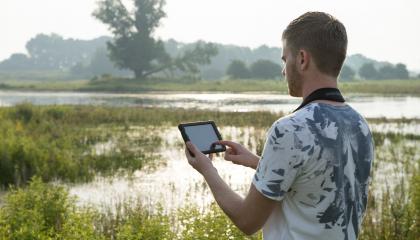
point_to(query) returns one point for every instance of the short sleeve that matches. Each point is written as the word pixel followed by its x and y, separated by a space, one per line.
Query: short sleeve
pixel 279 163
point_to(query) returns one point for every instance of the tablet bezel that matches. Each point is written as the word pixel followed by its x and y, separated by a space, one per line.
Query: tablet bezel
pixel 182 126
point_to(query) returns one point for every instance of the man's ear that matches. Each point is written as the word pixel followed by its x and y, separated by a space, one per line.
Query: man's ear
pixel 303 59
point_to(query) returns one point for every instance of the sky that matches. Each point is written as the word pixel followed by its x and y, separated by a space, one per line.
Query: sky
pixel 386 30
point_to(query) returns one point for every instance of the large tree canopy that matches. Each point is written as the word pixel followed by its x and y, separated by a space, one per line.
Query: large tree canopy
pixel 237 69
pixel 265 69
pixel 368 71
pixel 134 46
pixel 347 73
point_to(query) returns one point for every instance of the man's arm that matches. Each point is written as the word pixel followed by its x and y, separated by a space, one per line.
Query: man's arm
pixel 249 214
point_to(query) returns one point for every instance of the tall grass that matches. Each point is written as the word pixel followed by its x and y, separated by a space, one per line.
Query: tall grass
pixel 393 202
pixel 384 87
pixel 54 144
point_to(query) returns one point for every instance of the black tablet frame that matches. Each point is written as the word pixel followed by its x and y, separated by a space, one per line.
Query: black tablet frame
pixel 182 126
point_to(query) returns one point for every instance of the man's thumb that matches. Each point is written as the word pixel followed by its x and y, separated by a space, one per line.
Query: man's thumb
pixel 192 147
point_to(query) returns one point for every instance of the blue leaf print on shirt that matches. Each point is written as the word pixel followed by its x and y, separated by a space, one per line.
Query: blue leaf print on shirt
pixel 350 146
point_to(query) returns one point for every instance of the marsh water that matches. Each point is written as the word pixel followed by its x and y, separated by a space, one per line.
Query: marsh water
pixel 174 183
pixel 369 106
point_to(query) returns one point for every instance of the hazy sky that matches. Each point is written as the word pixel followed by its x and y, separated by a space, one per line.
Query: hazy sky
pixel 381 29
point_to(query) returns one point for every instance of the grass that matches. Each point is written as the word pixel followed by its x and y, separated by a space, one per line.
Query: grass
pixel 60 144
pixel 43 85
pixel 129 85
pixel 384 87
pixel 394 199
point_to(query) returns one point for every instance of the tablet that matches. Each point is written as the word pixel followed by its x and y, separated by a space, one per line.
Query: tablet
pixel 203 135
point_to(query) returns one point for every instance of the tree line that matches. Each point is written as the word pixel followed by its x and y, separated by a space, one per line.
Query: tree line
pixel 89 58
pixel 398 71
pixel 92 58
pixel 134 50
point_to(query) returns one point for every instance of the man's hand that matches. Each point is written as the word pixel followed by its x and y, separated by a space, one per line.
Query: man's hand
pixel 199 162
pixel 238 154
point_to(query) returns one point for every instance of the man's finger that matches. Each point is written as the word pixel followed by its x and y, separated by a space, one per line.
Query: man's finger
pixel 228 143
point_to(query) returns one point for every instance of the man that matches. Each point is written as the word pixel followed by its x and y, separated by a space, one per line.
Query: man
pixel 311 181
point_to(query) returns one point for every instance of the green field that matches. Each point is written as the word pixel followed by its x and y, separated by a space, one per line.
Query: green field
pixel 397 87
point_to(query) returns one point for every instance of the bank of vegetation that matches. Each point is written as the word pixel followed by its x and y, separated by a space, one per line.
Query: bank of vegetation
pixel 122 85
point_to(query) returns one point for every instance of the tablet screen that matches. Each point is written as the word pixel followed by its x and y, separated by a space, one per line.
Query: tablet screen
pixel 203 136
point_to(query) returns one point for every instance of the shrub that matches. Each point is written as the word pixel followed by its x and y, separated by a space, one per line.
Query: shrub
pixel 43 211
pixel 212 225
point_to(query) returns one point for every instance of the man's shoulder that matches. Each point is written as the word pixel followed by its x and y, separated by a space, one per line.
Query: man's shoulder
pixel 319 111
pixel 292 122
pixel 300 120
pixel 299 117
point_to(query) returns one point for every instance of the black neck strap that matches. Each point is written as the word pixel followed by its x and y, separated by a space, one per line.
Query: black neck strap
pixel 330 94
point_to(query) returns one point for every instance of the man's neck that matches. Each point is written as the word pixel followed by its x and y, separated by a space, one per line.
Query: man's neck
pixel 318 82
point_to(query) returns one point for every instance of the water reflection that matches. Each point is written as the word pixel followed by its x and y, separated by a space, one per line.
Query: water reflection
pixel 175 185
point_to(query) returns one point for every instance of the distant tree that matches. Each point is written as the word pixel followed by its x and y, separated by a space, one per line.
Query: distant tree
pixel 134 46
pixel 401 71
pixel 347 73
pixel 386 72
pixel 99 64
pixel 212 73
pixel 418 76
pixel 47 53
pixel 53 52
pixel 237 69
pixel 265 69
pixel 17 61
pixel 368 71
pixel 398 71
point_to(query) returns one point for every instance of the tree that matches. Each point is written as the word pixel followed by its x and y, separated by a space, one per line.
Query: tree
pixel 347 73
pixel 265 69
pixel 98 65
pixel 134 46
pixel 17 61
pixel 398 71
pixel 237 69
pixel 53 52
pixel 368 71
pixel 401 71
